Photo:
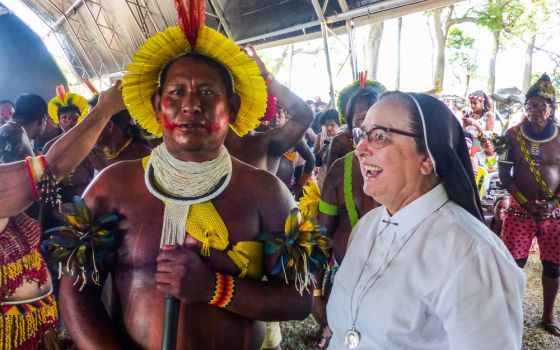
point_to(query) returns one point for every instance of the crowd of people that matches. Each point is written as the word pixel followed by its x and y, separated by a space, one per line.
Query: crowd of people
pixel 161 188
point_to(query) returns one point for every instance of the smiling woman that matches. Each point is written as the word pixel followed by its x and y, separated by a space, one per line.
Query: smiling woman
pixel 427 239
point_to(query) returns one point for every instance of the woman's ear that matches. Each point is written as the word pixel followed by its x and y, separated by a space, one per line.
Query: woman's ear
pixel 427 166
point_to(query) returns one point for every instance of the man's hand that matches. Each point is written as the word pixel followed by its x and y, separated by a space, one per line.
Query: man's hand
pixel 111 100
pixel 250 50
pixel 182 273
pixel 540 209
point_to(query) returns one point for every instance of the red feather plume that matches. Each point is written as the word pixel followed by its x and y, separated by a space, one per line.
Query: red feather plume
pixel 270 107
pixel 191 17
pixel 90 86
pixel 60 92
pixel 362 78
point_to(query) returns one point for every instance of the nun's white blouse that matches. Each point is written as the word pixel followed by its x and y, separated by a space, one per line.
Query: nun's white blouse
pixel 430 277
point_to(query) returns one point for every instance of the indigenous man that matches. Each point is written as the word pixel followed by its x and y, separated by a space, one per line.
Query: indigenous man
pixel 353 103
pixel 192 178
pixel 264 150
pixel 15 192
pixel 342 203
pixel 532 151
pixel 67 110
pixel 120 140
pixel 6 111
pixel 16 135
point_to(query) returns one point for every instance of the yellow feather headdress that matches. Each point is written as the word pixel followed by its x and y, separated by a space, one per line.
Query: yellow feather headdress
pixel 140 80
pixel 64 99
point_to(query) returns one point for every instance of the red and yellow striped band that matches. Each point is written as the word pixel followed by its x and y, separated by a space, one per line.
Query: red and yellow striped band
pixel 223 290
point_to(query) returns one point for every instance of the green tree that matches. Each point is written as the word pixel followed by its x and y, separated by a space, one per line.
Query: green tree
pixel 500 17
pixel 540 25
pixel 462 57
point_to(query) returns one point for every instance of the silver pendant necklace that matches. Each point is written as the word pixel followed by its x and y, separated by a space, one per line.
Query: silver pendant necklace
pixel 352 336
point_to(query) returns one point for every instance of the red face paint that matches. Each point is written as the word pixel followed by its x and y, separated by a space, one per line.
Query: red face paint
pixel 162 115
pixel 166 123
pixel 212 127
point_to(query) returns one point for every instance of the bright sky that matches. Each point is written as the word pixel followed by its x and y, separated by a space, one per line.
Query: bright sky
pixel 308 76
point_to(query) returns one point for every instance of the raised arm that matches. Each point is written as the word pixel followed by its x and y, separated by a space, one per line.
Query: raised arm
pixel 67 153
pixel 283 138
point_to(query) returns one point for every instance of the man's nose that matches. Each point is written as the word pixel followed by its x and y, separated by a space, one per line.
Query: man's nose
pixel 191 103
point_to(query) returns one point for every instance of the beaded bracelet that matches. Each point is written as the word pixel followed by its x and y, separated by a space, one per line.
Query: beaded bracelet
pixel 35 169
pixel 269 78
pixel 223 290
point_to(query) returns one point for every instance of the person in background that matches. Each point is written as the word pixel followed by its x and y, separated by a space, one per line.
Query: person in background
pixel 6 111
pixel 330 126
pixel 479 119
pixel 487 157
pixel 530 171
pixel 499 210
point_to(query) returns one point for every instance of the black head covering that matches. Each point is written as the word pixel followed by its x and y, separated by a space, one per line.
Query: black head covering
pixel 445 142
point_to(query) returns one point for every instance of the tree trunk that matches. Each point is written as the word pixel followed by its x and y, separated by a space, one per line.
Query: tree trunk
pixel 399 32
pixel 291 62
pixel 440 48
pixel 492 67
pixel 373 46
pixel 467 84
pixel 527 71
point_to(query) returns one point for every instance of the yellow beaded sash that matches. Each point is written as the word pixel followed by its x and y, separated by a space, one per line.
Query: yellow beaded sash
pixel 536 173
pixel 205 224
pixel 22 325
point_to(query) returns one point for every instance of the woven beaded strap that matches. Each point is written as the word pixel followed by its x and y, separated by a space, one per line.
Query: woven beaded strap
pixel 536 173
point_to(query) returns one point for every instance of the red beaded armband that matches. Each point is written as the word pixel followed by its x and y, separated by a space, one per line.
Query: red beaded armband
pixel 223 290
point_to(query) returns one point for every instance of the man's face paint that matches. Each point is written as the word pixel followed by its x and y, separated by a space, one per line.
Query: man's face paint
pixel 212 127
pixel 167 124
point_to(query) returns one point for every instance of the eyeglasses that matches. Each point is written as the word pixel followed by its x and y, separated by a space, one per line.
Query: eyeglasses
pixel 541 106
pixel 377 136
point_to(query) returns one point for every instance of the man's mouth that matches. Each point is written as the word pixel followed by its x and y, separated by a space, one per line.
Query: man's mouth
pixel 190 126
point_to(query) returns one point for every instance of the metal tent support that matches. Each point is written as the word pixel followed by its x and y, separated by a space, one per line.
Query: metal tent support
pixel 321 16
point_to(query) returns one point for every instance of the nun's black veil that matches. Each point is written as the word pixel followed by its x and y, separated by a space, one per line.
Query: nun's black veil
pixel 446 146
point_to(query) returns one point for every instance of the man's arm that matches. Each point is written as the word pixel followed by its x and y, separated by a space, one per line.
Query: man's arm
pixel 69 151
pixel 266 301
pixel 305 152
pixel 334 152
pixel 83 311
pixel 283 138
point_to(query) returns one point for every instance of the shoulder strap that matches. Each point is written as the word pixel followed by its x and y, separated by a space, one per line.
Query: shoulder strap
pixel 348 196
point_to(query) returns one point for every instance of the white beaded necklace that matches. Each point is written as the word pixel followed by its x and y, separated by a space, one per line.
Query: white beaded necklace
pixel 180 184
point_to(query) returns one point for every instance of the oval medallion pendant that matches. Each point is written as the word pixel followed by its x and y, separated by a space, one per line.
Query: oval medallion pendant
pixel 352 338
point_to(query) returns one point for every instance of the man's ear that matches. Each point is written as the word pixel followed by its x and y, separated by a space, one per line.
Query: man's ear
pixel 156 99
pixel 426 167
pixel 234 103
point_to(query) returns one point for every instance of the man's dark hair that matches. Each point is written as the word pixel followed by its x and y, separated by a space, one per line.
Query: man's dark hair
pixel 29 108
pixel 222 71
pixel 367 94
pixel 3 102
pixel 330 114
